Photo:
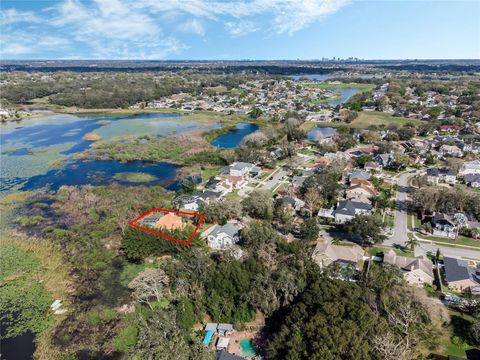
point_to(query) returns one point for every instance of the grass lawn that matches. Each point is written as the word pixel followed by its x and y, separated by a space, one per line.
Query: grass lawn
pixel 368 118
pixel 455 343
pixel 389 220
pixel 208 172
pixel 461 240
pixel 233 196
pixel 379 248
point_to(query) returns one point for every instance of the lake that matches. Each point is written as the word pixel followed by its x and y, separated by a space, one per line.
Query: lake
pixel 345 94
pixel 32 148
pixel 102 172
pixel 232 139
pixel 318 133
pixel 319 77
pixel 20 347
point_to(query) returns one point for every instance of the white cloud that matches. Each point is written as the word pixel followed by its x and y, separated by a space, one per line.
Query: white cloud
pixel 193 26
pixel 138 28
pixel 11 16
pixel 19 43
pixel 240 28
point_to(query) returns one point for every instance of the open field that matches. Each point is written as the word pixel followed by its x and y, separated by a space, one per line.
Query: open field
pixel 364 120
pixel 368 118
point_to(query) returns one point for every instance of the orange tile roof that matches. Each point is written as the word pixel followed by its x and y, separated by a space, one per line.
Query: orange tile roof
pixel 170 222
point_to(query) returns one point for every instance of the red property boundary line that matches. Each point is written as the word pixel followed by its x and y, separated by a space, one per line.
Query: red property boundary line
pixel 183 242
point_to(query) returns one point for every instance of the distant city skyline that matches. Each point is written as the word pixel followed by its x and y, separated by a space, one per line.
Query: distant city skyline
pixel 234 30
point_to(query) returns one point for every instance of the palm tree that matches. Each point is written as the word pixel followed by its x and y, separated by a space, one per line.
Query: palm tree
pixel 411 243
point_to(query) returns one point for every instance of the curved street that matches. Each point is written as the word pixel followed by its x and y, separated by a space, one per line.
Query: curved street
pixel 400 231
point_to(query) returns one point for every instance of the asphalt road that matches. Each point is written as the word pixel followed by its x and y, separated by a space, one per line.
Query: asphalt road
pixel 400 237
pixel 272 181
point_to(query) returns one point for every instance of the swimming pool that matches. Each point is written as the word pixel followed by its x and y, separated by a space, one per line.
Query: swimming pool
pixel 247 349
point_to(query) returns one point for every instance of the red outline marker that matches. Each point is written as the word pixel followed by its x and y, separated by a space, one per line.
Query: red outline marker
pixel 183 242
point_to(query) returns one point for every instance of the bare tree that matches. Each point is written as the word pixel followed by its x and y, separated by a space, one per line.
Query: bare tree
pixel 313 200
pixel 150 284
pixel 389 347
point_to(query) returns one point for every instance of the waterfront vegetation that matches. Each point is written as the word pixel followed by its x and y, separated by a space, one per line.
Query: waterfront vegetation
pixel 134 177
pixel 33 274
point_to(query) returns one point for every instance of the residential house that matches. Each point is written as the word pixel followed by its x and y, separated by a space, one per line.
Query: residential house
pixel 277 152
pixel 223 236
pixel 360 190
pixel 224 355
pixel 150 221
pixel 294 202
pixel 451 150
pixel 443 225
pixel 222 343
pixel 383 160
pixel 242 169
pixel 187 202
pixel 470 167
pixel 169 221
pixel 416 271
pixel 226 184
pixel 327 213
pixel 359 174
pixel 192 202
pixel 347 210
pixel 472 180
pixel 372 167
pixel 326 254
pixel 458 274
pixel 438 175
pixel 224 329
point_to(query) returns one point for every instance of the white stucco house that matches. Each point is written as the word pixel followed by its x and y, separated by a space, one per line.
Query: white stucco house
pixel 223 236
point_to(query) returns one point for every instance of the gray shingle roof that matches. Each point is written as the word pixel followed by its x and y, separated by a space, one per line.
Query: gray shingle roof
pixel 223 355
pixel 456 269
pixel 470 178
pixel 229 229
pixel 348 207
pixel 241 165
pixel 359 174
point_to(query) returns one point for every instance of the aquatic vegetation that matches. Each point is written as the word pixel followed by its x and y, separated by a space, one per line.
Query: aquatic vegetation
pixel 92 136
pixel 103 122
pixel 134 177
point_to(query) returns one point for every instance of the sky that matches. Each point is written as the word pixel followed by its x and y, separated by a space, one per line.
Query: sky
pixel 239 29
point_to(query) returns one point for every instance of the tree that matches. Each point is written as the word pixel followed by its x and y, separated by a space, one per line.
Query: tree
pixel 255 113
pixel 367 228
pixel 185 314
pixel 361 160
pixel 313 200
pixel 161 338
pixel 221 211
pixel 326 183
pixel 259 205
pixel 150 284
pixel 310 229
pixel 258 233
pixel 475 332
pixel 412 242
